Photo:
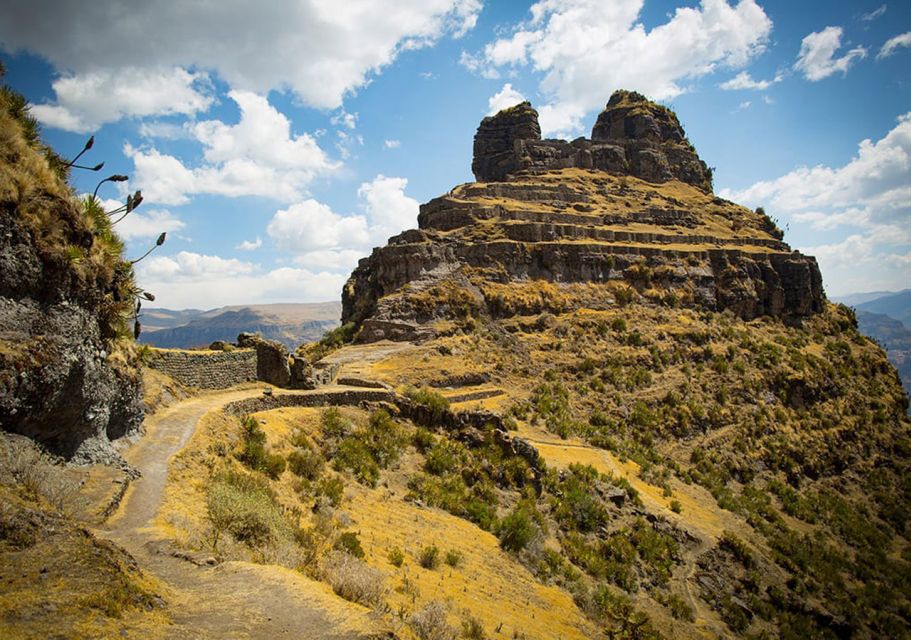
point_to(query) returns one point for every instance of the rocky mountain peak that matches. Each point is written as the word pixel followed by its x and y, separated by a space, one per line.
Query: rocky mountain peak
pixel 632 136
pixel 626 217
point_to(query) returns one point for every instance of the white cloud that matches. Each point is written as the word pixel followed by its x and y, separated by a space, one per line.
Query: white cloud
pixel 322 239
pixel 504 98
pixel 743 80
pixel 322 50
pixel 873 15
pixel 200 281
pixel 163 130
pixel 391 144
pixel 746 104
pixel 311 225
pixel 871 193
pixel 85 101
pixel 344 119
pixel 893 44
pixel 588 48
pixel 335 260
pixel 148 224
pixel 250 245
pixel 389 210
pixel 257 156
pixel 817 55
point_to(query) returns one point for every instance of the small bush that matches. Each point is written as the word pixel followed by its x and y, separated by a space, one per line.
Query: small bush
pixel 676 507
pixel 253 444
pixel 306 463
pixel 353 579
pixel 430 623
pixel 516 530
pixel 396 557
pixel 472 629
pixel 453 558
pixel 433 400
pixel 332 488
pixel 24 464
pixel 350 544
pixel 422 439
pixel 273 465
pixel 335 425
pixel 429 557
pixel 244 507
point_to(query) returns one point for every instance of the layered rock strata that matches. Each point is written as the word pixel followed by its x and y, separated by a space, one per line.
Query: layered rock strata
pixel 540 234
pixel 632 136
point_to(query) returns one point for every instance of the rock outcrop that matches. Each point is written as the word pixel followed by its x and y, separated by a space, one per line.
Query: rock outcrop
pixel 554 225
pixel 65 379
pixel 632 136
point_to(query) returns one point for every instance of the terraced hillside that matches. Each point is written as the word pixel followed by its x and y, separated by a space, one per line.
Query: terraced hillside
pixel 623 320
pixel 495 247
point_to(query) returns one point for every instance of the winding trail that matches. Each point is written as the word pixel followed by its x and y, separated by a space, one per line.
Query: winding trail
pixel 234 599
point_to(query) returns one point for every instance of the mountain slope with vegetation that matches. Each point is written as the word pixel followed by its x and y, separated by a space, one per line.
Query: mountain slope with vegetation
pixel 68 376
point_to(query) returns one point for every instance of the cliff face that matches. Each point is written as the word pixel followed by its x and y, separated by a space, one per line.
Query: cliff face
pixel 65 380
pixel 632 136
pixel 628 215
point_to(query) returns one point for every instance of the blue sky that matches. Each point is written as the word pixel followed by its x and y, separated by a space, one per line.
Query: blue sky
pixel 277 146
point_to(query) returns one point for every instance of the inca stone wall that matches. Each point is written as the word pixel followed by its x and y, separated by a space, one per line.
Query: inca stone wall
pixel 206 369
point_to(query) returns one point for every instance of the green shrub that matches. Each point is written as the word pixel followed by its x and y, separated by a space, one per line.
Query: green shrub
pixel 433 400
pixel 675 505
pixel 453 558
pixel 445 457
pixel 306 463
pixel 335 425
pixel 516 530
pixel 429 558
pixel 253 444
pixel 472 629
pixel 349 543
pixel 273 465
pixel 332 488
pixel 355 457
pixel 396 557
pixel 422 439
pixel 244 507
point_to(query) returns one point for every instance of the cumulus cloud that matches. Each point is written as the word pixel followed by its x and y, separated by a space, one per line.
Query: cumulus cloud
pixel 504 98
pixel 391 144
pixel 319 49
pixel 588 48
pixel 817 60
pixel 203 281
pixel 744 80
pixel 86 101
pixel 257 156
pixel 250 245
pixel 893 44
pixel 389 210
pixel 320 238
pixel 871 193
pixel 311 225
pixel 148 224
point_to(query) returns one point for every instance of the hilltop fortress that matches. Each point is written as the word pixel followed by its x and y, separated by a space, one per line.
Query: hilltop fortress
pixel 550 225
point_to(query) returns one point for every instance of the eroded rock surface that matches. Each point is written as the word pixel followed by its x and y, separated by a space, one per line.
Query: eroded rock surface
pixel 554 225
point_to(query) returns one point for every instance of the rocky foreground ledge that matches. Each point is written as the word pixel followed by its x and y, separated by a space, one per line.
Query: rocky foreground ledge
pixel 628 215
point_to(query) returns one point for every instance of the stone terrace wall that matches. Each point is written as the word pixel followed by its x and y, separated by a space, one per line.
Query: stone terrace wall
pixel 206 369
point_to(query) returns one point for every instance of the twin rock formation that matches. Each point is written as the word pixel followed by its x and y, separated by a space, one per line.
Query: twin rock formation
pixel 552 225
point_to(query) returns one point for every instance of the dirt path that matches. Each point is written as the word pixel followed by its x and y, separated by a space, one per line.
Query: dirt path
pixel 235 599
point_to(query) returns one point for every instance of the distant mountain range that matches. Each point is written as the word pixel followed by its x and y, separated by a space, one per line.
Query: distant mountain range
pixel 290 324
pixel 885 316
